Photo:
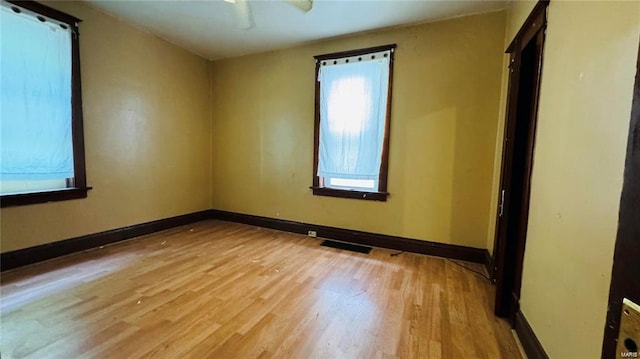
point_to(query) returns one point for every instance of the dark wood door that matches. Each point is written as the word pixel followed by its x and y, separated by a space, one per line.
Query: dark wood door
pixel 526 53
pixel 625 277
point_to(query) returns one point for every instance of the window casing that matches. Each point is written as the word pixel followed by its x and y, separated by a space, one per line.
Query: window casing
pixel 33 187
pixel 353 183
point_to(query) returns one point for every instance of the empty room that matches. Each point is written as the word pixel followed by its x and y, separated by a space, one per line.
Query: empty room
pixel 319 179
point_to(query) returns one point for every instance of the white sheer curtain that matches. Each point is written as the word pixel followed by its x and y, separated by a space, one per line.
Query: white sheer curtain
pixel 353 104
pixel 35 90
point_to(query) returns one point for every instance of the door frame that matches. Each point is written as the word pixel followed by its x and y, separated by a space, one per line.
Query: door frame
pixel 626 269
pixel 509 252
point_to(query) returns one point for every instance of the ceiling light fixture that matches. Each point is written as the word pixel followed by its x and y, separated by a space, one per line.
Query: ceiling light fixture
pixel 244 17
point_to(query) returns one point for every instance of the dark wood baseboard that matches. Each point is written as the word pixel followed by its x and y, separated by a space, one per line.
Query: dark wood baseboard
pixel 22 257
pixel 469 254
pixel 530 343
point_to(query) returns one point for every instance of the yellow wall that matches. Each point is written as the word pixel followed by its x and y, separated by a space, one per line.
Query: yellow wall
pixel 444 115
pixel 147 136
pixel 583 122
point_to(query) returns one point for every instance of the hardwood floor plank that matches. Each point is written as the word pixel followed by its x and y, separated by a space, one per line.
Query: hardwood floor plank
pixel 215 289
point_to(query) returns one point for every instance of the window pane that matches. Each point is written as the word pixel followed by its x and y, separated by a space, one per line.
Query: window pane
pixel 16 186
pixel 353 104
pixel 349 183
pixel 36 138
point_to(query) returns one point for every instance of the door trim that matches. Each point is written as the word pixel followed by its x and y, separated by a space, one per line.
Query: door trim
pixel 508 257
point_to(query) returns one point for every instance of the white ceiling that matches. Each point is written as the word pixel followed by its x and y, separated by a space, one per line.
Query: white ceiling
pixel 208 28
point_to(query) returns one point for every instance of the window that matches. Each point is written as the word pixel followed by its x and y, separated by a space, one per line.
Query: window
pixel 353 106
pixel 41 139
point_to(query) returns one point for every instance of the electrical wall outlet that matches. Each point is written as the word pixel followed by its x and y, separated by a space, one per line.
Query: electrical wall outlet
pixel 629 335
pixel 312 234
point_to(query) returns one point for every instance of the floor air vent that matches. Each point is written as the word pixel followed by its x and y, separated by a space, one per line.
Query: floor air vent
pixel 346 246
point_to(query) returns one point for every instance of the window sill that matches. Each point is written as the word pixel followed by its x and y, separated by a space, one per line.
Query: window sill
pixel 20 199
pixel 332 192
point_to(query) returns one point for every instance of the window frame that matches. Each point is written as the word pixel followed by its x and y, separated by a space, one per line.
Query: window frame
pixel 79 187
pixel 318 187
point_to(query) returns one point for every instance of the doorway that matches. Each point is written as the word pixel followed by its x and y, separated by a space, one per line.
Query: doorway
pixel 525 70
pixel 626 271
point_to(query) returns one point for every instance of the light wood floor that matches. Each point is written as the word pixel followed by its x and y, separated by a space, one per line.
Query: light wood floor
pixel 222 290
